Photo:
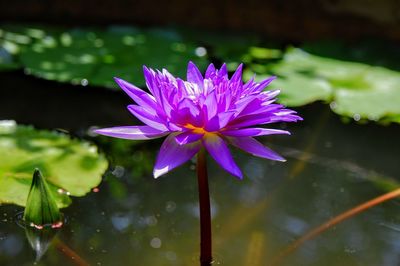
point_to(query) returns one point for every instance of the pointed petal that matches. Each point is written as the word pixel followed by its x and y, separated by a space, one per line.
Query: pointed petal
pixel 149 77
pixel 252 132
pixel 210 105
pixel 188 137
pixel 172 155
pixel 218 149
pixel 223 71
pixel 210 71
pixel 219 121
pixel 147 118
pixel 132 132
pixel 237 76
pixel 252 146
pixel 264 84
pixel 194 75
pixel 139 96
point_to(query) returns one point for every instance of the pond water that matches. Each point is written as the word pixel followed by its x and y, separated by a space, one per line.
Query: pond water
pixel 132 219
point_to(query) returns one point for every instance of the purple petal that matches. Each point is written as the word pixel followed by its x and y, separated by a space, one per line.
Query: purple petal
pixel 172 155
pixel 210 71
pixel 255 148
pixel 147 118
pixel 210 106
pixel 139 96
pixel 265 117
pixel 188 137
pixel 264 84
pixel 252 132
pixel 194 75
pixel 219 121
pixel 237 76
pixel 223 71
pixel 149 76
pixel 190 105
pixel 132 132
pixel 218 149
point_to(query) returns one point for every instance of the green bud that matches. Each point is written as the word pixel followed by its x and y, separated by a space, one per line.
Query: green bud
pixel 41 208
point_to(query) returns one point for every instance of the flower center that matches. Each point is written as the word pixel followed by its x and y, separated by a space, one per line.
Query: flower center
pixel 197 130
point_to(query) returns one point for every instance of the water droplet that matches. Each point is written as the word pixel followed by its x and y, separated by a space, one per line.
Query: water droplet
pixel 63 191
pixel 155 242
pixel 357 117
pixel 200 51
pixel 84 82
pixel 333 105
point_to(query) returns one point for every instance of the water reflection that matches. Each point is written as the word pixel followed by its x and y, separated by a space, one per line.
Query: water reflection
pixel 136 220
pixel 40 240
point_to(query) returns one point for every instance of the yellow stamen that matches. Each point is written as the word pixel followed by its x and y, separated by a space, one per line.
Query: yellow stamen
pixel 197 130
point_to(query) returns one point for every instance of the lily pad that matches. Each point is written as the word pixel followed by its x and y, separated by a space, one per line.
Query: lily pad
pixel 14 39
pixel 356 90
pixel 71 167
pixel 95 56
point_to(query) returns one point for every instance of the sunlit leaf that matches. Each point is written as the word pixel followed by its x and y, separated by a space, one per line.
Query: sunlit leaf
pixel 71 167
pixel 95 56
pixel 356 90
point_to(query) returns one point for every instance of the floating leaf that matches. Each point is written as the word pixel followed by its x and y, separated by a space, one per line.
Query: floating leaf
pixel 94 56
pixel 71 167
pixel 355 90
pixel 14 39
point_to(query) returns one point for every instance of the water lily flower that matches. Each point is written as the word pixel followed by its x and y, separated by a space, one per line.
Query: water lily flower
pixel 203 112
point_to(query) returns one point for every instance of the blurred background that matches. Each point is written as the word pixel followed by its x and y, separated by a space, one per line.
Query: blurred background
pixel 337 64
pixel 292 20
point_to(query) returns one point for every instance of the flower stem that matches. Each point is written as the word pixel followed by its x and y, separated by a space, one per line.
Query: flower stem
pixel 205 214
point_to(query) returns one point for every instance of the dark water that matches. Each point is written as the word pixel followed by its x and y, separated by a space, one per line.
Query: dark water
pixel 136 220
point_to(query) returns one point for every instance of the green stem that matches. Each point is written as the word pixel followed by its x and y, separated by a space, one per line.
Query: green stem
pixel 205 214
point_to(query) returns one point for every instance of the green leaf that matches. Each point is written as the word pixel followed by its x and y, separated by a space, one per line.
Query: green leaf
pixel 93 56
pixel 355 90
pixel 41 208
pixel 71 167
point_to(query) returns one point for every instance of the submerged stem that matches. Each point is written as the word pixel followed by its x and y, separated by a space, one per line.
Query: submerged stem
pixel 205 214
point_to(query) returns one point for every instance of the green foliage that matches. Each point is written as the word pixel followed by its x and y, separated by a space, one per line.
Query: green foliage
pixel 71 167
pixel 364 90
pixel 355 90
pixel 93 56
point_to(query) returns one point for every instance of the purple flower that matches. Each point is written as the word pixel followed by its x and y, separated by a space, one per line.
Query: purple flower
pixel 202 112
